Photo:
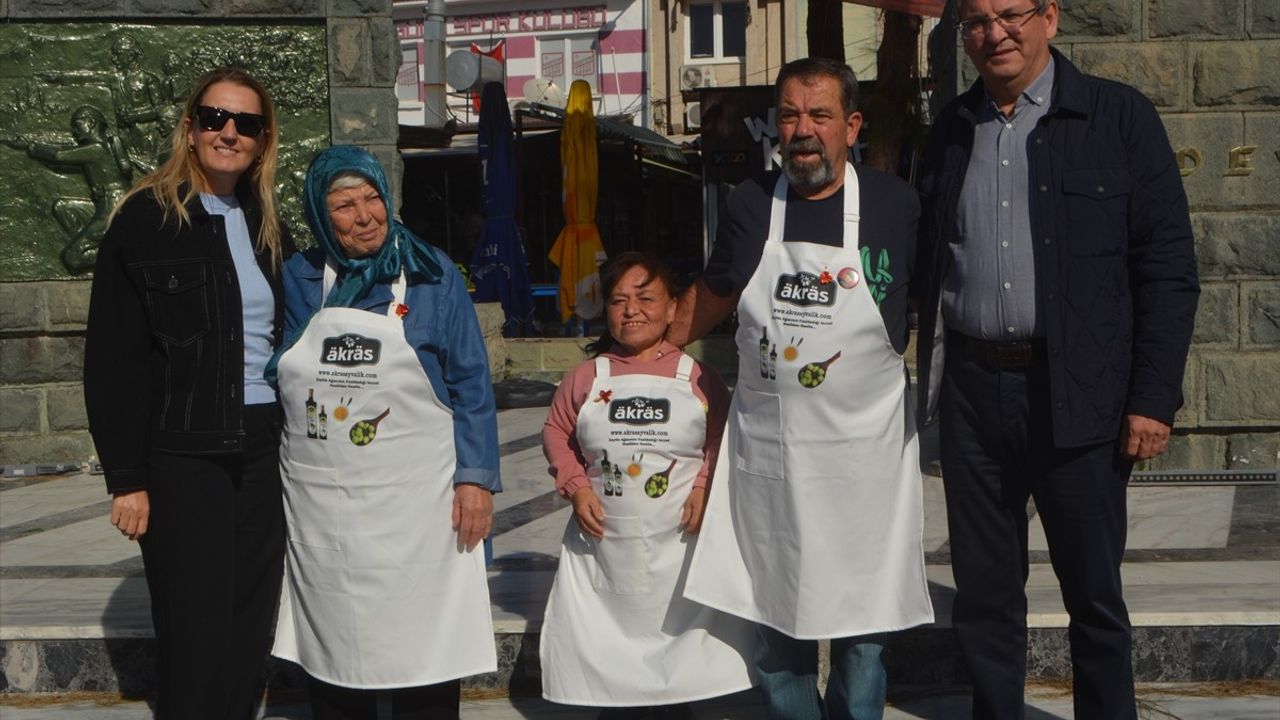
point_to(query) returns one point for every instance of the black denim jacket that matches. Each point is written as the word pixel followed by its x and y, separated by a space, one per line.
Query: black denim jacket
pixel 1115 264
pixel 164 352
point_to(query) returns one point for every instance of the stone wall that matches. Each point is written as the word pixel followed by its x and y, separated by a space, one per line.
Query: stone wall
pixel 1210 67
pixel 41 323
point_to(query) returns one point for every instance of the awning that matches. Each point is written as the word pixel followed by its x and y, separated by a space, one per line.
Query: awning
pixel 929 8
pixel 652 145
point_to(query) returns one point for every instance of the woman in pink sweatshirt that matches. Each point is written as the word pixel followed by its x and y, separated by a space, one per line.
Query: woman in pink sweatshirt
pixel 632 438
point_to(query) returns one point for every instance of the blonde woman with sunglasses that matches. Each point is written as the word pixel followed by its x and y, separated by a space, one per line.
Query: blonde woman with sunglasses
pixel 185 311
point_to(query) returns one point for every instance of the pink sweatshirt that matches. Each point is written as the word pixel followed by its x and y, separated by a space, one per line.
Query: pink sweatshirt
pixel 560 432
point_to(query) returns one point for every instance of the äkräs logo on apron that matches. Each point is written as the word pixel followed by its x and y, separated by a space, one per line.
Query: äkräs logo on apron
pixel 350 350
pixel 805 289
pixel 640 410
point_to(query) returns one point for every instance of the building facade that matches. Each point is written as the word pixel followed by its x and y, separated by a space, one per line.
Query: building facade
pixel 540 47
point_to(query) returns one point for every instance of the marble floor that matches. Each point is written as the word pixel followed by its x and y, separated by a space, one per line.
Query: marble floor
pixel 1170 702
pixel 1200 556
pixel 1196 554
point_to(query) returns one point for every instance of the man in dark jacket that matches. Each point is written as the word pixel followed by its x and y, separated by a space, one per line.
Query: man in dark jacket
pixel 1057 281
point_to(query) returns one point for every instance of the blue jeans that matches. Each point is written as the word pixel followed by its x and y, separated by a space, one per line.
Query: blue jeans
pixel 788 670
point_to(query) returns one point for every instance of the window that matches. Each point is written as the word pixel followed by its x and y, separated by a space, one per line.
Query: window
pixel 566 59
pixel 408 87
pixel 717 29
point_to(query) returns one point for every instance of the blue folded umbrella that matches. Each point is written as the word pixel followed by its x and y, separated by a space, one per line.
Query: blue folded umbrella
pixel 499 269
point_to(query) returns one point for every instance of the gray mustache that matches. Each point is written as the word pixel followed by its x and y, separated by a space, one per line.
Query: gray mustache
pixel 799 146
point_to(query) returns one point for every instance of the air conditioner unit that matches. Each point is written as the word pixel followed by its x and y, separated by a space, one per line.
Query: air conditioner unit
pixel 692 116
pixel 693 77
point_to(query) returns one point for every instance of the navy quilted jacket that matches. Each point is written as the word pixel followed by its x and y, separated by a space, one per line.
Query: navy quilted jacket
pixel 1114 257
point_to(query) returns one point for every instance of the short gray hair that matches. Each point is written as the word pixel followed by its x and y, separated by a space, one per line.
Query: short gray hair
pixel 348 179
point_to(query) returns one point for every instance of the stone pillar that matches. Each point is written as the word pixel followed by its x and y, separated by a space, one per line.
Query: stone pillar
pixel 42 416
pixel 1209 66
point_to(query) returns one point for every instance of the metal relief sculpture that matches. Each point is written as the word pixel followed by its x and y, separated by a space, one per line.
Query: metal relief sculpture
pixel 86 110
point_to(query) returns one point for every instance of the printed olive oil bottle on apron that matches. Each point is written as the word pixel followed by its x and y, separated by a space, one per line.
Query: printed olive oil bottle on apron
pixel 377 591
pixel 814 520
pixel 617 630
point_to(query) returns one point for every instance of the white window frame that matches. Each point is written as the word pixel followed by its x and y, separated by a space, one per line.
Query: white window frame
pixel 717 33
pixel 565 43
pixel 416 45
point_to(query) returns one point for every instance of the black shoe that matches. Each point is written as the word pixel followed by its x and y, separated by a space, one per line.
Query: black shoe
pixel 673 712
pixel 624 713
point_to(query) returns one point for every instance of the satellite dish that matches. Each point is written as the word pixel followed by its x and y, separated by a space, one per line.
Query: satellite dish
pixel 544 91
pixel 466 71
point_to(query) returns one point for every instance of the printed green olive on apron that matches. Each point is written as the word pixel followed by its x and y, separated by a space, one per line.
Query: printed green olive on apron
pixel 377 591
pixel 617 631
pixel 815 516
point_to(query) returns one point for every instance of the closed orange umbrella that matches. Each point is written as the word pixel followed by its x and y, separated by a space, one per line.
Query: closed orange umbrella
pixel 578 251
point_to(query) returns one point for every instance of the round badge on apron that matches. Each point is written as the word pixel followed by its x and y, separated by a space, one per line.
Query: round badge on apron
pixel 617 631
pixel 815 518
pixel 377 593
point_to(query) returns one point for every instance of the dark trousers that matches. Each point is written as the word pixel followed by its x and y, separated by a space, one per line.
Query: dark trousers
pixel 428 702
pixel 997 449
pixel 214 557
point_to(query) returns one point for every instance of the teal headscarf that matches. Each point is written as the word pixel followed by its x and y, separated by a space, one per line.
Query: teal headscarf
pixel 402 250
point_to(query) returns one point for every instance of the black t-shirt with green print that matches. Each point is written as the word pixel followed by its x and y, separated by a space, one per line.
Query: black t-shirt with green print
pixel 889 210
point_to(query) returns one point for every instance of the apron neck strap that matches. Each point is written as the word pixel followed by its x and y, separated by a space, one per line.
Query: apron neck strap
pixel 684 370
pixel 778 205
pixel 602 367
pixel 331 279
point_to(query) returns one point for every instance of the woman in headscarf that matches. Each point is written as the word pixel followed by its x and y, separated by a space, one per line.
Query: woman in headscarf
pixel 185 311
pixel 389 458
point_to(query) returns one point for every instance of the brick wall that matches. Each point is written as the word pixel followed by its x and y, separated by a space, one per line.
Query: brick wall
pixel 41 323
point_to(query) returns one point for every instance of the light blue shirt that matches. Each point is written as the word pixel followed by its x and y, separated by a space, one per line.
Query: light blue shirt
pixel 990 291
pixel 257 303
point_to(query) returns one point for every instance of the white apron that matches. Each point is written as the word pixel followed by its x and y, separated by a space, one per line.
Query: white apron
pixel 617 630
pixel 814 523
pixel 377 593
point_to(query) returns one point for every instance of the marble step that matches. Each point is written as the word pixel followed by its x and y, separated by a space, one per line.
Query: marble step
pixel 1193 622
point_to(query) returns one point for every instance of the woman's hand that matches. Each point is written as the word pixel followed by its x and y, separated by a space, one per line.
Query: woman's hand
pixel 694 508
pixel 589 512
pixel 472 513
pixel 130 512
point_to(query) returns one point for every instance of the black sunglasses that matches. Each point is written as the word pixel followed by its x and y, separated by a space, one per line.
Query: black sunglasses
pixel 215 118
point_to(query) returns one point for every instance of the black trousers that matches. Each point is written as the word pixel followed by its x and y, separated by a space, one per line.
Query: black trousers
pixel 997 449
pixel 214 557
pixel 428 702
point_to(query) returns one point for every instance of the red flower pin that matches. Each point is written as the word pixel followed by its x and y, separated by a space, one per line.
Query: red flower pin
pixel 825 277
pixel 401 310
pixel 605 396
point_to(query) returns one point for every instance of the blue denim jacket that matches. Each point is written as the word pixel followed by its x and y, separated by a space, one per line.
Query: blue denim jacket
pixel 443 330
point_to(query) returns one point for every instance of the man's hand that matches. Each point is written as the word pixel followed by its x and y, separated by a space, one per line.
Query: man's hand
pixel 698 310
pixel 472 513
pixel 1142 438
pixel 130 512
pixel 694 508
pixel 589 512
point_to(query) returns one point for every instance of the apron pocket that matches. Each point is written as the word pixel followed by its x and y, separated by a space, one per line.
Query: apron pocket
pixel 758 446
pixel 312 505
pixel 622 558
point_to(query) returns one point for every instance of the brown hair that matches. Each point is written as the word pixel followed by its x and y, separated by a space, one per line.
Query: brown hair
pixel 809 70
pixel 612 271
pixel 182 169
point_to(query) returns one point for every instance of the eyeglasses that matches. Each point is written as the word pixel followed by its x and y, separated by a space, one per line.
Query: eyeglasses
pixel 1011 22
pixel 215 118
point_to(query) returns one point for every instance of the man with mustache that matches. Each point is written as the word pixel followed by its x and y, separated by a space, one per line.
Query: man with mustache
pixel 1059 281
pixel 814 520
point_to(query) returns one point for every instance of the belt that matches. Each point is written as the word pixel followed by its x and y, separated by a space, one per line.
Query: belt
pixel 1000 355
